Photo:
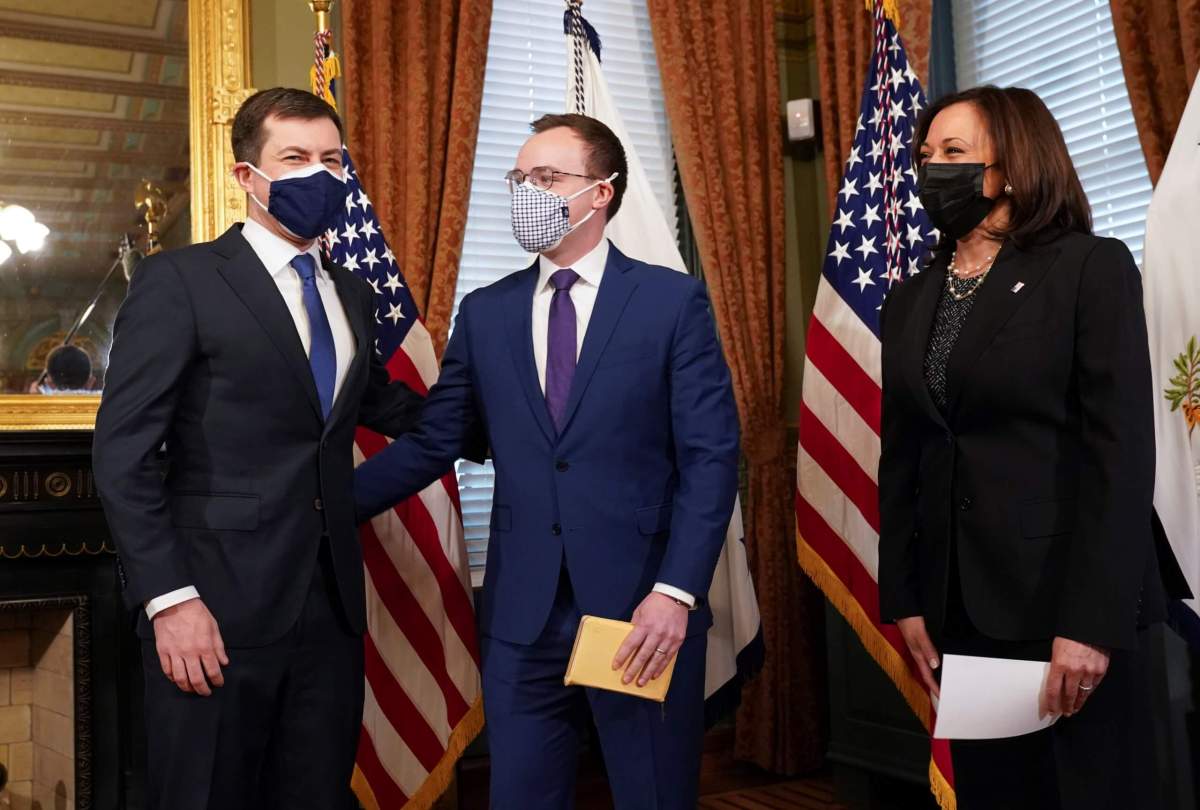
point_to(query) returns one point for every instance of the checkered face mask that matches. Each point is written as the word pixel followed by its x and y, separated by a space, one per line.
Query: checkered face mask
pixel 540 218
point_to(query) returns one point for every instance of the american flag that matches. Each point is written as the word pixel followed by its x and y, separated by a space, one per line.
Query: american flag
pixel 879 236
pixel 422 703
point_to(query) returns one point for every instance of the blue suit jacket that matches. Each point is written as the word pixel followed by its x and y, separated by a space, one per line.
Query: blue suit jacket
pixel 639 486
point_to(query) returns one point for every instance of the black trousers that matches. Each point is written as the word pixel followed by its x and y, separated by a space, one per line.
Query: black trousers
pixel 281 733
pixel 1100 759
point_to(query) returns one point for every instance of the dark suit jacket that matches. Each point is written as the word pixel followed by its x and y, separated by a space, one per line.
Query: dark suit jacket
pixel 207 359
pixel 638 487
pixel 1041 471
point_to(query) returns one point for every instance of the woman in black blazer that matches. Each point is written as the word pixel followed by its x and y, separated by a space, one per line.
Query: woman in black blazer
pixel 1017 469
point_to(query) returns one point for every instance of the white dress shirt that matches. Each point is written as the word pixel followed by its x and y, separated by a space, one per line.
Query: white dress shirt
pixel 583 293
pixel 276 256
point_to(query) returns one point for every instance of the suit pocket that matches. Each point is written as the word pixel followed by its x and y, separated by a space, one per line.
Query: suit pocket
pixel 226 512
pixel 501 518
pixel 1049 517
pixel 653 520
pixel 626 353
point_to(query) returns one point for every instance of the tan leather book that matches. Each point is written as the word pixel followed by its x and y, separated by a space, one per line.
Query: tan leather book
pixel 596 646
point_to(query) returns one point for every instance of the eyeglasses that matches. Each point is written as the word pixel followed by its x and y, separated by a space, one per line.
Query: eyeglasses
pixel 540 177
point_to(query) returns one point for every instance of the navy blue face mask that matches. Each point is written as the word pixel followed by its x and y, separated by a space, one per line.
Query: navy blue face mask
pixel 305 201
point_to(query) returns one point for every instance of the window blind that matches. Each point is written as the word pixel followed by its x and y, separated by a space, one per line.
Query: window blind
pixel 1066 52
pixel 525 78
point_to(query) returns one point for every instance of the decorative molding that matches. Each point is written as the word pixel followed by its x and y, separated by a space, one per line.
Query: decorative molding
pixel 91 38
pixel 81 637
pixel 58 485
pixel 43 412
pixel 88 84
pixel 50 485
pixel 220 78
pixel 51 550
pixel 34 119
pixel 77 181
pixel 82 154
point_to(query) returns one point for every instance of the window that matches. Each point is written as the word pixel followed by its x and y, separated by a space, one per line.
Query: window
pixel 1066 52
pixel 526 78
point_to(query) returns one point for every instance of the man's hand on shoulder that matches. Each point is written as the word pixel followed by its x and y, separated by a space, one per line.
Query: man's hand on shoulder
pixel 190 649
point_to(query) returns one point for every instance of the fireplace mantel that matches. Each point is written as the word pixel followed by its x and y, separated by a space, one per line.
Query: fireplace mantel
pixel 56 552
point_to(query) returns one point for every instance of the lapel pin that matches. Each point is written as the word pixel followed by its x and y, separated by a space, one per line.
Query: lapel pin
pixel 1020 285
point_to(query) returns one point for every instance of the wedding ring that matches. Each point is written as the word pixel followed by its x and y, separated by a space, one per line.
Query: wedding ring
pixel 1083 688
pixel 660 651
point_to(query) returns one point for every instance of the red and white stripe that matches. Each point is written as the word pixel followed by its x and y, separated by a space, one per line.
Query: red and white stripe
pixel 837 488
pixel 422 653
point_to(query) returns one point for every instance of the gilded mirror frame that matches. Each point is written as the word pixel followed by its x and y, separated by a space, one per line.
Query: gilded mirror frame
pixel 218 82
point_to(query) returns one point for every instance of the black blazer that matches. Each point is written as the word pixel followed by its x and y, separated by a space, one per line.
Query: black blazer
pixel 206 358
pixel 1041 471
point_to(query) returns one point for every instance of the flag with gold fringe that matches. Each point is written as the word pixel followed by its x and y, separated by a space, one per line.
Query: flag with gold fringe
pixel 879 235
pixel 423 702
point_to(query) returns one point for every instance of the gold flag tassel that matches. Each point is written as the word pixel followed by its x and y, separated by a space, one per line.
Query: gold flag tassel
pixel 326 65
pixel 891 9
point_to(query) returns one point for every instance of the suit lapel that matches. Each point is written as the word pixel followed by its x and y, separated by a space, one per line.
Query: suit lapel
pixel 250 281
pixel 520 337
pixel 615 289
pixel 352 306
pixel 918 339
pixel 995 304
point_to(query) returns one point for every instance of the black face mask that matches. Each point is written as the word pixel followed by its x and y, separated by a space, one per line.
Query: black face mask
pixel 952 194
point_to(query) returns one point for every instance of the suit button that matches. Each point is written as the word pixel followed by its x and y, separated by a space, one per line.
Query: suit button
pixel 318 505
pixel 562 466
pixel 556 530
pixel 965 504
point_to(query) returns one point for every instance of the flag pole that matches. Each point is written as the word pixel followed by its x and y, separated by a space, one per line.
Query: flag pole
pixel 326 65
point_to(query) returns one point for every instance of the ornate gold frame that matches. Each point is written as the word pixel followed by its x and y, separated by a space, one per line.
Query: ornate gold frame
pixel 219 79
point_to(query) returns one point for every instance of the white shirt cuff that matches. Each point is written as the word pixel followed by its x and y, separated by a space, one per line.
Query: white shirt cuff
pixel 675 593
pixel 161 603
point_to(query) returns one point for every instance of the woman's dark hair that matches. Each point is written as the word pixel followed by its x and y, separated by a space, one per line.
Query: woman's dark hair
pixel 1029 148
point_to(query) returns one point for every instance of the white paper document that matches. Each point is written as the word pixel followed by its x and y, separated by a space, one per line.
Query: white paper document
pixel 989 698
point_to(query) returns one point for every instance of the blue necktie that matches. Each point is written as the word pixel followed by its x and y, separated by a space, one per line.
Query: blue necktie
pixel 561 345
pixel 322 356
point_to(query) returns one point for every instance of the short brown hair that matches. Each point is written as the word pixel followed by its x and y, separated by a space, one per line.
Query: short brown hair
pixel 604 153
pixel 1046 193
pixel 281 102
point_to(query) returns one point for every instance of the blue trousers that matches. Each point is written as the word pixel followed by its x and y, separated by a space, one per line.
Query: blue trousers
pixel 535 725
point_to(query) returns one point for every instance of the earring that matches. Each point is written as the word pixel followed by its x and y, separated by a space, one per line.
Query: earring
pixel 1008 189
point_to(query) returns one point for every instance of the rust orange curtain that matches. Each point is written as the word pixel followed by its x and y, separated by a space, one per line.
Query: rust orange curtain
pixel 721 82
pixel 1160 52
pixel 412 93
pixel 845 37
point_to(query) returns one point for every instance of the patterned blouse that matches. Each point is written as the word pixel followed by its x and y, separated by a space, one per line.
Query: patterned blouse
pixel 947 324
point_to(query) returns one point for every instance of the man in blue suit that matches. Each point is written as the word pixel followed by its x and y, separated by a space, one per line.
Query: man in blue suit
pixel 598 382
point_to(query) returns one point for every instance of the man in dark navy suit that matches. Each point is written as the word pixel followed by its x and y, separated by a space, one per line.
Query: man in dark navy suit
pixel 599 384
pixel 252 360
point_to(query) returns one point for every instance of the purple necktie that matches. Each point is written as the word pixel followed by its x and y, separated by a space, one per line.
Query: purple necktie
pixel 561 345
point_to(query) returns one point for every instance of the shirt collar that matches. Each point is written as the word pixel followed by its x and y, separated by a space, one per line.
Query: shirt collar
pixel 274 252
pixel 590 267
